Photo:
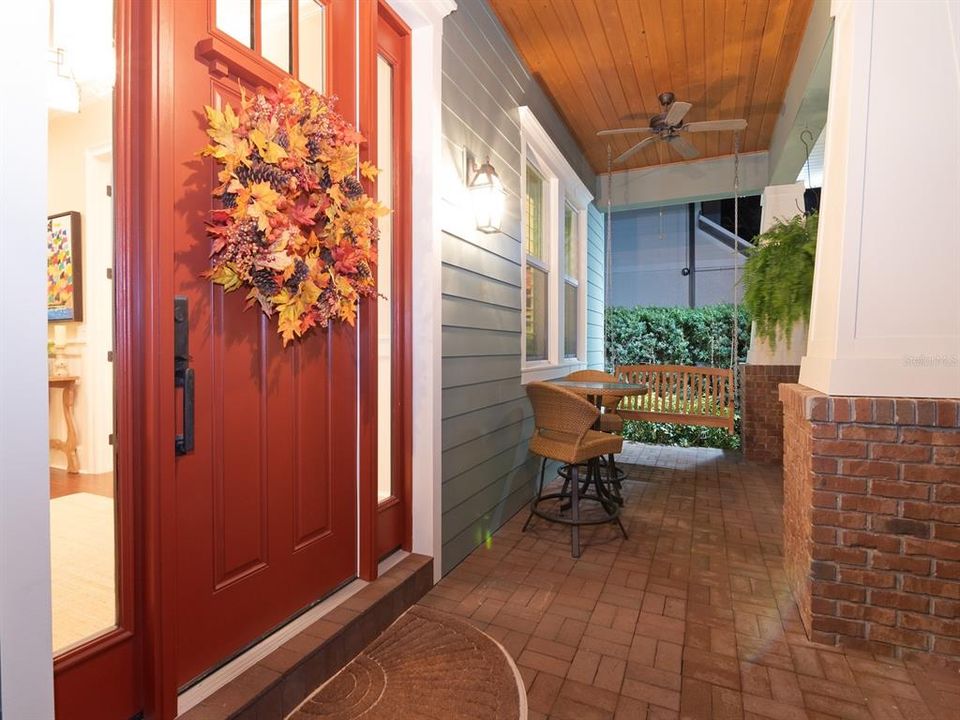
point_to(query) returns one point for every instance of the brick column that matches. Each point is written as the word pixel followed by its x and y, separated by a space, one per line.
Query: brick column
pixel 761 413
pixel 872 520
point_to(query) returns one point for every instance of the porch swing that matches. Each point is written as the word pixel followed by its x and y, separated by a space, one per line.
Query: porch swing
pixel 684 394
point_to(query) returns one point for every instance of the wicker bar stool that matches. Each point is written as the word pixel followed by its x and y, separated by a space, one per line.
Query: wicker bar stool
pixel 563 431
pixel 610 421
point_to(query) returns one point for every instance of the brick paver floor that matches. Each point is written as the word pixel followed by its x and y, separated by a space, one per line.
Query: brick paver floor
pixel 689 617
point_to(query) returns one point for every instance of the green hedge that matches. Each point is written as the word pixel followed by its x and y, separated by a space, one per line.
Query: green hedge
pixel 676 336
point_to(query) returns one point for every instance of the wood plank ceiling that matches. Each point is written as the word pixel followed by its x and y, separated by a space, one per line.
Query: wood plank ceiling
pixel 605 61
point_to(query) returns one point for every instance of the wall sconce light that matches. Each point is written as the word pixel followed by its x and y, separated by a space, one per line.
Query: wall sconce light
pixel 488 197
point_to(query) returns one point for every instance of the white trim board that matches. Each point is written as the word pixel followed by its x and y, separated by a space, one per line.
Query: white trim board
pixel 545 147
pixel 26 668
pixel 425 19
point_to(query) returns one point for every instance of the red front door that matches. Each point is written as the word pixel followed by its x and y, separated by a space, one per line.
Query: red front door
pixel 266 503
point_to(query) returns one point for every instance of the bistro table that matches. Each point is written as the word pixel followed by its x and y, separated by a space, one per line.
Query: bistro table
pixel 596 391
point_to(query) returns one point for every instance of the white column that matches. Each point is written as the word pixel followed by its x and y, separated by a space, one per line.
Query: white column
pixel 886 303
pixel 779 203
pixel 26 662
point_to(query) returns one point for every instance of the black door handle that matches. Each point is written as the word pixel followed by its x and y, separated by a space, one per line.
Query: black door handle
pixel 183 377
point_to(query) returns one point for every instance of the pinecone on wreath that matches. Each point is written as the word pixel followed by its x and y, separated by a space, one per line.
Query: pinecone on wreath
pixel 352 187
pixel 262 172
pixel 265 281
pixel 300 272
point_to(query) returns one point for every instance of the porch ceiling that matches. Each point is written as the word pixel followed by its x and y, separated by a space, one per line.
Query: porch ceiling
pixel 605 61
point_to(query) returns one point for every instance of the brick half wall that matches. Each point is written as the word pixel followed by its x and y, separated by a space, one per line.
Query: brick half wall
pixel 762 415
pixel 872 520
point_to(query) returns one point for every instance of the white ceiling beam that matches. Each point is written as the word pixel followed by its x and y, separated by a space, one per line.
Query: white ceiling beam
pixel 805 100
pixel 683 182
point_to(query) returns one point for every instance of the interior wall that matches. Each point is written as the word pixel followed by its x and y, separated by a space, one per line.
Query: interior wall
pixel 80 161
pixel 487 471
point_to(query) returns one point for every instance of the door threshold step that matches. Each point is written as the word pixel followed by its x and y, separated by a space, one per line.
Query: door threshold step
pixel 282 680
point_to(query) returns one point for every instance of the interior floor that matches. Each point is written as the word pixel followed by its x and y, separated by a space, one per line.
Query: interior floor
pixel 82 552
pixel 64 483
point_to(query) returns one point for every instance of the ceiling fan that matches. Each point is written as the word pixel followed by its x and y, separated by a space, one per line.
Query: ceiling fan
pixel 667 127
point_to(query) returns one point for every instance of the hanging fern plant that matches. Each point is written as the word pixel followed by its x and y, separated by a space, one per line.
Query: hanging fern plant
pixel 778 277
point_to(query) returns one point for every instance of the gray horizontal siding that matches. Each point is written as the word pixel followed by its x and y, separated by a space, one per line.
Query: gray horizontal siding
pixel 482 261
pixel 463 428
pixel 460 459
pixel 468 284
pixel 467 398
pixel 488 474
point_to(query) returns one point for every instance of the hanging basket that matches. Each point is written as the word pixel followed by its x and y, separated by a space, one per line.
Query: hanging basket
pixel 295 227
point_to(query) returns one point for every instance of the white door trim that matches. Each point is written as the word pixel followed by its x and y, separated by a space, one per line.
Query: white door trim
pixel 26 660
pixel 425 19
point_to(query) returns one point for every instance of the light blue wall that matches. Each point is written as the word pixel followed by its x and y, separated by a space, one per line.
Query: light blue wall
pixel 596 245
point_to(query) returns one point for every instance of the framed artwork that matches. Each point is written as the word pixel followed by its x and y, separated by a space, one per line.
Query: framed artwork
pixel 64 296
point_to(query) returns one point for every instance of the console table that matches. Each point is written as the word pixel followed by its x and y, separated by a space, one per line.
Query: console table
pixel 68 395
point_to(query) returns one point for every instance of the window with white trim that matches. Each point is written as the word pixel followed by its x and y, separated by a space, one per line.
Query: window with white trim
pixel 553 227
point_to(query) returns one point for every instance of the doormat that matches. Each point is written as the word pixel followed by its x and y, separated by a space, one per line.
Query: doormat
pixel 427 665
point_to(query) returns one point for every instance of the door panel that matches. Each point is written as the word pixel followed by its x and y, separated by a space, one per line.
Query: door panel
pixel 312 501
pixel 234 402
pixel 266 503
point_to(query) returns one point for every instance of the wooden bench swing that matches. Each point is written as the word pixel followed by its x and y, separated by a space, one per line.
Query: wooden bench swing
pixel 680 394
pixel 683 394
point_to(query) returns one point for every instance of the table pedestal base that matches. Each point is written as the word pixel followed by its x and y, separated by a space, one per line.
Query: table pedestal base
pixel 574 492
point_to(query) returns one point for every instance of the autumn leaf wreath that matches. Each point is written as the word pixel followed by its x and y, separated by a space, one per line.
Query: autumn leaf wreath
pixel 295 226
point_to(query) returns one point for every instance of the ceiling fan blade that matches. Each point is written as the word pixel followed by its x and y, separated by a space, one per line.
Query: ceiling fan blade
pixel 636 148
pixel 676 112
pixel 684 147
pixel 624 131
pixel 715 125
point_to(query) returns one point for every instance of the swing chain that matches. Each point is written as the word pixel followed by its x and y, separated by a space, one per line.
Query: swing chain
pixel 734 354
pixel 608 250
pixel 807 148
